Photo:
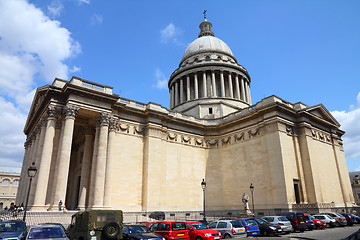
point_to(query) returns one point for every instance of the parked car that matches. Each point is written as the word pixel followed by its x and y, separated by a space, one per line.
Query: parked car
pixel 297 220
pixel 58 224
pixel 146 224
pixel 139 232
pixel 229 228
pixel 319 224
pixel 268 229
pixel 251 226
pixel 282 221
pixel 356 219
pixel 43 232
pixel 310 225
pixel 198 231
pixel 340 220
pixel 348 218
pixel 170 230
pixel 11 229
pixel 330 222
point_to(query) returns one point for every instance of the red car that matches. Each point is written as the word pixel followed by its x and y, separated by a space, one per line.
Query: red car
pixel 318 223
pixel 197 231
pixel 171 230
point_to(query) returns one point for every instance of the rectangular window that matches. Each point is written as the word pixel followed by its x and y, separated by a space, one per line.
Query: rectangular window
pixel 210 111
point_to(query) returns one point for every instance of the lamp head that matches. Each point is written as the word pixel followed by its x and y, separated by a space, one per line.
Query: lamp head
pixel 251 187
pixel 32 170
pixel 203 184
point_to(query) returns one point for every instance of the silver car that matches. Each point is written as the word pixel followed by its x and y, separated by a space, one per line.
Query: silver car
pixel 282 221
pixel 43 232
pixel 340 220
pixel 229 228
pixel 330 222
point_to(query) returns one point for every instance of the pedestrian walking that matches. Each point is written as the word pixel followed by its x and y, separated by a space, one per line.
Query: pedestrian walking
pixel 60 205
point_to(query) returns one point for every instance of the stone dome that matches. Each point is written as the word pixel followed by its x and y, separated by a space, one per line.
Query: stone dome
pixel 207 44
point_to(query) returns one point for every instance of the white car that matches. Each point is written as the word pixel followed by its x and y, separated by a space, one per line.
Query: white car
pixel 282 221
pixel 330 222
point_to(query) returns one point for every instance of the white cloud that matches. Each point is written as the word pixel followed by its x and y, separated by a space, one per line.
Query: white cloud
pixel 161 81
pixel 55 8
pixel 33 48
pixel 96 19
pixel 350 123
pixel 170 33
pixel 84 1
pixel 75 69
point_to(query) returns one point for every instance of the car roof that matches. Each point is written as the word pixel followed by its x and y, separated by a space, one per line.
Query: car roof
pixel 170 221
pixel 17 220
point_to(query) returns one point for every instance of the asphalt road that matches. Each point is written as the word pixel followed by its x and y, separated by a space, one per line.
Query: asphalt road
pixel 326 234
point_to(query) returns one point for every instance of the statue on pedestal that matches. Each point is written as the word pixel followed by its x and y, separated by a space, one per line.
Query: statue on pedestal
pixel 245 200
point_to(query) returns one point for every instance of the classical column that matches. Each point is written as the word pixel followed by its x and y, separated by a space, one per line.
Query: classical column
pixel 188 88
pixel 85 167
pixel 247 91
pixel 109 163
pixel 243 95
pixel 23 173
pixel 101 161
pixel 204 85
pixel 222 84
pixel 64 153
pixel 30 160
pixel 196 86
pixel 93 167
pixel 249 95
pixel 231 90
pixel 44 168
pixel 171 96
pixel 181 90
pixel 176 93
pixel 37 159
pixel 237 87
pixel 213 83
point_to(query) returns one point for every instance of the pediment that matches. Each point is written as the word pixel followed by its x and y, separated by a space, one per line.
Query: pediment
pixel 321 112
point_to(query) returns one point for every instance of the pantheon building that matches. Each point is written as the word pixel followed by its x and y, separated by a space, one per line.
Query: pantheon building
pixel 96 150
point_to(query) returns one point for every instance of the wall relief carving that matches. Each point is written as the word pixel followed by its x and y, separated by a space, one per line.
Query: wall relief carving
pixel 186 139
pixel 172 136
pixel 212 142
pixel 226 140
pixel 239 137
pixel 198 142
pixel 253 134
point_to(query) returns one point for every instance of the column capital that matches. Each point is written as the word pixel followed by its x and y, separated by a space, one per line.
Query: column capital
pixel 52 112
pixel 113 124
pixel 103 119
pixel 70 111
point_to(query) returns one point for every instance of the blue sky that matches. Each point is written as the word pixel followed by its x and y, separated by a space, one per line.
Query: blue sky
pixel 304 51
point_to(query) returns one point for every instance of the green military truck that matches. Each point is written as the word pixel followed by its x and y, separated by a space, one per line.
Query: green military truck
pixel 96 225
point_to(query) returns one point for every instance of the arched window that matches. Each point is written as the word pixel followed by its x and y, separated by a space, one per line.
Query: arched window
pixel 207 58
pixel 16 183
pixel 5 182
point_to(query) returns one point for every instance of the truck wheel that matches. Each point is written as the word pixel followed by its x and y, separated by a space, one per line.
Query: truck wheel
pixel 111 230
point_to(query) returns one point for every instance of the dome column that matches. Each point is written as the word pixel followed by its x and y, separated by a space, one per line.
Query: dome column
pixel 222 83
pixel 172 96
pixel 181 90
pixel 231 86
pixel 196 86
pixel 176 93
pixel 248 92
pixel 242 84
pixel 204 85
pixel 188 88
pixel 213 83
pixel 237 87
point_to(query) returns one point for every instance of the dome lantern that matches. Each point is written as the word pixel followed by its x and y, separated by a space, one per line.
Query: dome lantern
pixel 205 27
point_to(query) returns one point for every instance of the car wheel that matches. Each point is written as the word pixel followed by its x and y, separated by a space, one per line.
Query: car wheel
pixel 198 238
pixel 227 236
pixel 111 230
pixel 337 224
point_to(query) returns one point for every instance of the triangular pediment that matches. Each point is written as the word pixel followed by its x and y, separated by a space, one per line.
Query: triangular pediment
pixel 321 112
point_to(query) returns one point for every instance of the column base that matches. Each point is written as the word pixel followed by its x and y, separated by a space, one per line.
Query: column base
pixel 39 208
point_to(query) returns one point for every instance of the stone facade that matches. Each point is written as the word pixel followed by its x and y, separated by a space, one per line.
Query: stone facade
pixel 9 183
pixel 97 150
pixel 355 184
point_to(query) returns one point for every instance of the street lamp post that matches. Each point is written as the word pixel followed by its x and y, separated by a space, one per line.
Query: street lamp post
pixel 203 185
pixel 252 197
pixel 31 173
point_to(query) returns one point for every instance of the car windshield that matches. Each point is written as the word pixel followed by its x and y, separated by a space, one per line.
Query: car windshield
pixel 12 226
pixel 46 232
pixel 261 221
pixel 198 226
pixel 284 219
pixel 138 229
pixel 237 224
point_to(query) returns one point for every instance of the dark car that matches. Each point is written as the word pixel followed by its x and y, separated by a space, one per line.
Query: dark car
pixel 348 218
pixel 139 232
pixel 310 224
pixel 356 219
pixel 11 229
pixel 57 224
pixel 268 229
pixel 297 220
pixel 251 226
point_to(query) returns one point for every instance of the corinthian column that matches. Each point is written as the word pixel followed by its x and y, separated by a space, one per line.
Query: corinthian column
pixel 242 83
pixel 231 86
pixel 196 86
pixel 181 90
pixel 213 83
pixel 64 153
pixel 187 88
pixel 204 85
pixel 101 161
pixel 176 93
pixel 93 167
pixel 237 87
pixel 20 194
pixel 85 167
pixel 109 163
pixel 222 83
pixel 45 162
